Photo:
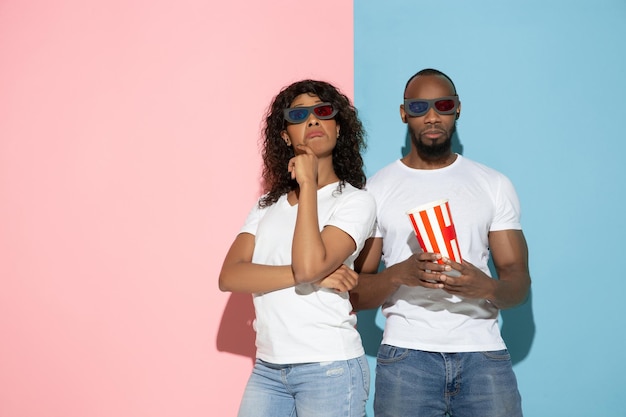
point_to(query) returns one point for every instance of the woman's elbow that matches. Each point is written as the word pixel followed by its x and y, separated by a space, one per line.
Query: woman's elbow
pixel 224 284
pixel 303 275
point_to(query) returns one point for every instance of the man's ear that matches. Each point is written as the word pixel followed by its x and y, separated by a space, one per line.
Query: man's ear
pixel 458 112
pixel 402 113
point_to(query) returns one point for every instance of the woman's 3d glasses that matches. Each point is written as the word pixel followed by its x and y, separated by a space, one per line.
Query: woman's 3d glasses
pixel 443 105
pixel 322 111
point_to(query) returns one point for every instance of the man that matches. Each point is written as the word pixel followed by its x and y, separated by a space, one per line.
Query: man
pixel 442 353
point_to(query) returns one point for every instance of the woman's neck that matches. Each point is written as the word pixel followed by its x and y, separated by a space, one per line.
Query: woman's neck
pixel 326 173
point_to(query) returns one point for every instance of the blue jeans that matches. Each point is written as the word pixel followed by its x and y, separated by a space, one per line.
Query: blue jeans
pixel 413 383
pixel 319 389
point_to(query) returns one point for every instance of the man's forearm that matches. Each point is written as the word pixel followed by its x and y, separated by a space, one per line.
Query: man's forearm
pixel 508 292
pixel 372 290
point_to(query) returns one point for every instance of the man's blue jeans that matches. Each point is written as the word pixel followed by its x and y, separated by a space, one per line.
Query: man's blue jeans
pixel 413 383
pixel 319 389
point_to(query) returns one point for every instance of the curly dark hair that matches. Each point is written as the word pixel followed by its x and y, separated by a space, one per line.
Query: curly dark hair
pixel 347 159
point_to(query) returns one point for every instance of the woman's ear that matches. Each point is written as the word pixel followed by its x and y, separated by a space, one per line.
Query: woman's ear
pixel 285 137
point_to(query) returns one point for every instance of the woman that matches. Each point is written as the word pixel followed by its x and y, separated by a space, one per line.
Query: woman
pixel 294 252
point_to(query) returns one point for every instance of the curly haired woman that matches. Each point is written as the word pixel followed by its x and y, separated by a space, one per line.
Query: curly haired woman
pixel 294 252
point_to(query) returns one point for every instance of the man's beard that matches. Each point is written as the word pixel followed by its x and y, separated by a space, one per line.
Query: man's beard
pixel 436 151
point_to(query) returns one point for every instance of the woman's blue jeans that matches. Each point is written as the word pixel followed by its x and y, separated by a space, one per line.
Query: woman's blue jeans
pixel 430 384
pixel 319 389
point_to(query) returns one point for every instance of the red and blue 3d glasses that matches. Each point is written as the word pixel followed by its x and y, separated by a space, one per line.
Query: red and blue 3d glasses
pixel 322 111
pixel 443 105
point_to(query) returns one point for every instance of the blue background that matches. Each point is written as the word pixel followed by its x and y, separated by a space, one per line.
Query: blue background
pixel 542 86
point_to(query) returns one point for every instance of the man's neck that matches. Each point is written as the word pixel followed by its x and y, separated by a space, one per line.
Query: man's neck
pixel 416 161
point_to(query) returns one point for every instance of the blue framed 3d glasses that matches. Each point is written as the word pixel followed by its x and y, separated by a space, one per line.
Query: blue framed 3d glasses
pixel 443 105
pixel 322 111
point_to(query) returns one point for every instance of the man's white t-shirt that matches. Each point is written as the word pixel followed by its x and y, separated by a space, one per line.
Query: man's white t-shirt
pixel 307 323
pixel 481 200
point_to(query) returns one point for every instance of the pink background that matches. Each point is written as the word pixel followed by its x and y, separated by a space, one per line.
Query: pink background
pixel 128 161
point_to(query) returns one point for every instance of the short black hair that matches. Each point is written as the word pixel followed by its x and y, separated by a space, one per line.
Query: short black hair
pixel 430 71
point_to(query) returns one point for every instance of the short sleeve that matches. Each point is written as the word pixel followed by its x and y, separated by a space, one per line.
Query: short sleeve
pixel 251 223
pixel 508 210
pixel 356 216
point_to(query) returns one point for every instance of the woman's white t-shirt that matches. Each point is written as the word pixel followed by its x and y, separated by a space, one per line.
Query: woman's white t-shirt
pixel 307 323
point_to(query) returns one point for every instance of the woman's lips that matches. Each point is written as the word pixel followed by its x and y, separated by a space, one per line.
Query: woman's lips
pixel 314 134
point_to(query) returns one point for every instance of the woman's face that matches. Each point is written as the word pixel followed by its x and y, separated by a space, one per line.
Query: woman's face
pixel 318 134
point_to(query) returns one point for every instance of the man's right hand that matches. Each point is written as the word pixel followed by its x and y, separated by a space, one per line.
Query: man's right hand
pixel 421 270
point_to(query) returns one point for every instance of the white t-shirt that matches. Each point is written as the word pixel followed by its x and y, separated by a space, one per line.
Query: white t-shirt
pixel 307 323
pixel 481 200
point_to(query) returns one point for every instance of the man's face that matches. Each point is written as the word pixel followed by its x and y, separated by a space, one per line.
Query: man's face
pixel 431 133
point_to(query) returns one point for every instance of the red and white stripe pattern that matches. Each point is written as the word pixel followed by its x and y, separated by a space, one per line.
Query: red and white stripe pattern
pixel 434 229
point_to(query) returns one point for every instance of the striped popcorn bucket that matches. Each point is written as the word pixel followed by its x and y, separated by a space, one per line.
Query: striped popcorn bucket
pixel 434 229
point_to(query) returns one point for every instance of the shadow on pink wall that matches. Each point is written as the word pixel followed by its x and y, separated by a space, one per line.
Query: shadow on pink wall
pixel 236 334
